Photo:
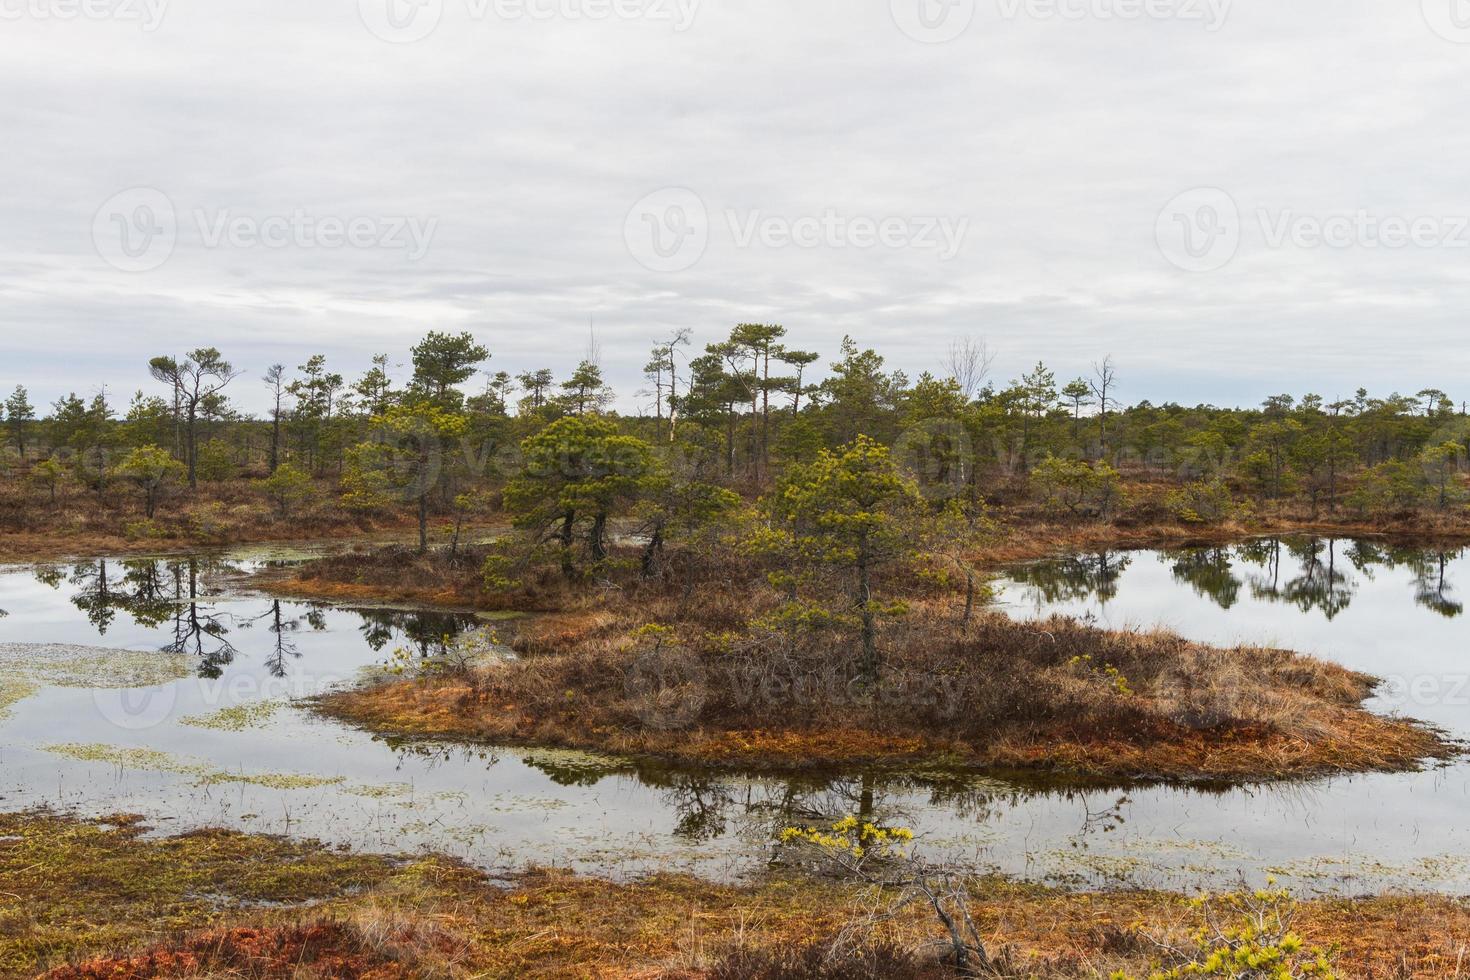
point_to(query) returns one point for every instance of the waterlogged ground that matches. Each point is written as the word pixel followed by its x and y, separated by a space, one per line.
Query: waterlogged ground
pixel 168 688
pixel 1392 611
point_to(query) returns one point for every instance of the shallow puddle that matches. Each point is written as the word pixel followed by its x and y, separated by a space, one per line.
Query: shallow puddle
pixel 166 688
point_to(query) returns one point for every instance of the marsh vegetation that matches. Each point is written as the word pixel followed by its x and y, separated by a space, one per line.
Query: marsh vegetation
pixel 771 604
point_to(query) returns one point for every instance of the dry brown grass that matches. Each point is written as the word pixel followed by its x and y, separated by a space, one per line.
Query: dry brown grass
pixel 434 918
pixel 81 522
pixel 1057 696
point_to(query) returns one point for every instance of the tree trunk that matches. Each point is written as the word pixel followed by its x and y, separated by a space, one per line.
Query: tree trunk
pixel 190 435
pixel 654 551
pixel 565 538
pixel 969 596
pixel 597 537
pixel 865 609
pixel 423 522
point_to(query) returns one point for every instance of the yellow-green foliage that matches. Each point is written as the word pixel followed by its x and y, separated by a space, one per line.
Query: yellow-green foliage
pixel 289 488
pixel 216 462
pixel 151 469
pixel 852 837
pixel 1247 935
pixel 1079 488
pixel 1107 672
pixel 1202 502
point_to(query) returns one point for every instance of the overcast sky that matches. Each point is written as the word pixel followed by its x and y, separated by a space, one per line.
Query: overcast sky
pixel 1067 178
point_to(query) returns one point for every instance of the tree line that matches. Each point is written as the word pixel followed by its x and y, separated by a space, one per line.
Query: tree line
pixel 738 413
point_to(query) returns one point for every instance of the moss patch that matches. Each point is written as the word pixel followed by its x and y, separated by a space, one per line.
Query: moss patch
pixel 153 761
pixel 118 904
pixel 237 718
pixel 69 665
pixel 14 690
pixel 69 887
pixel 25 668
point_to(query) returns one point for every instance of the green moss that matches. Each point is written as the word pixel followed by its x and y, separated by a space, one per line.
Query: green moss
pixel 237 718
pixel 14 690
pixel 381 791
pixel 570 767
pixel 69 887
pixel 153 761
pixel 499 615
pixel 126 758
pixel 25 668
pixel 69 665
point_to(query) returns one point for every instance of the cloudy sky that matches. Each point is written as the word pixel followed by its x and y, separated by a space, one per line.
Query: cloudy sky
pixel 1233 199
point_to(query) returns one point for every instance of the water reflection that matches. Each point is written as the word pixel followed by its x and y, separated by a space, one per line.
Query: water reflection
pixel 1209 572
pixel 283 629
pixel 427 633
pixel 503 807
pixel 183 598
pixel 707 807
pixel 1320 575
pixel 1082 576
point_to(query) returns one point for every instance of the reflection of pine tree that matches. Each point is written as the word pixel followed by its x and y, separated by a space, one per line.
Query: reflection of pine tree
pixel 1263 553
pixel 94 595
pixel 150 593
pixel 1320 585
pixel 427 632
pixel 1322 581
pixel 282 630
pixel 701 805
pixel 1209 572
pixel 199 631
pixel 1075 578
pixel 1432 588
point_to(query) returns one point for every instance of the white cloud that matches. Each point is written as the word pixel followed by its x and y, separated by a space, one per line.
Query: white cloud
pixel 529 140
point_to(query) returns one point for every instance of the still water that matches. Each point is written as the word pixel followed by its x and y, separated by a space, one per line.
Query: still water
pixel 171 688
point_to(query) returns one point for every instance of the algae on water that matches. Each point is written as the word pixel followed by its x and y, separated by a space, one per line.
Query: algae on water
pixel 13 690
pixel 572 767
pixel 72 665
pixel 154 761
pixel 237 718
pixel 25 668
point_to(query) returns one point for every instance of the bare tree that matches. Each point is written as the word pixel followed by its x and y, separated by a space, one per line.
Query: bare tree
pixel 663 371
pixel 969 362
pixel 594 346
pixel 1104 381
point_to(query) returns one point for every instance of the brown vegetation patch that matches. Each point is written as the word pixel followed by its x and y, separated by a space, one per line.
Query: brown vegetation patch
pixel 433 918
pixel 1057 696
pixel 322 949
